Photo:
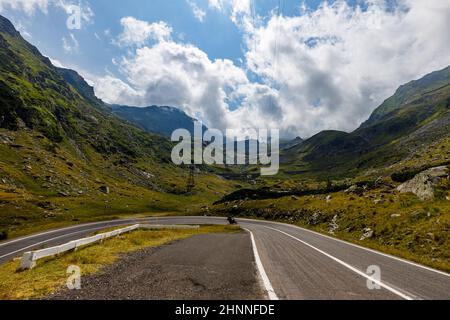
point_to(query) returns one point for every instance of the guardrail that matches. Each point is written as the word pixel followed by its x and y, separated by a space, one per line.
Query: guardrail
pixel 29 258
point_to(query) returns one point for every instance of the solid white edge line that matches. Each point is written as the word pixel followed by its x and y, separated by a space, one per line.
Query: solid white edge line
pixel 262 272
pixel 119 221
pixel 350 244
pixel 381 284
pixel 63 229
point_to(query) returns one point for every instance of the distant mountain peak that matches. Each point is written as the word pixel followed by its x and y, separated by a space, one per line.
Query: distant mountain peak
pixel 7 27
pixel 156 119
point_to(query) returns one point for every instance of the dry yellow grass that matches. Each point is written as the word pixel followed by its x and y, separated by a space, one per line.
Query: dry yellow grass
pixel 50 275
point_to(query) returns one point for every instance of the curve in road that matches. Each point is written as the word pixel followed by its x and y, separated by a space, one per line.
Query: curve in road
pixel 294 263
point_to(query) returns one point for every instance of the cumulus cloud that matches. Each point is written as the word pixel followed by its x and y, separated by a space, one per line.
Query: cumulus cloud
pixel 215 4
pixel 324 69
pixel 113 90
pixel 241 12
pixel 334 65
pixel 29 7
pixel 182 75
pixel 70 44
pixel 138 32
pixel 196 10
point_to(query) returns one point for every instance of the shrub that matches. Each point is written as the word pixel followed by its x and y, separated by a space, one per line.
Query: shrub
pixel 404 175
pixel 3 235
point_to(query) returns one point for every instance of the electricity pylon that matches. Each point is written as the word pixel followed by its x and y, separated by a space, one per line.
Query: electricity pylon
pixel 191 180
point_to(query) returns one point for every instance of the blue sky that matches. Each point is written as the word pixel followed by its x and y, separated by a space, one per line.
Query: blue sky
pixel 216 35
pixel 299 66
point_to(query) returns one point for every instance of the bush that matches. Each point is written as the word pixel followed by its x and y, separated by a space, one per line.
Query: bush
pixel 404 175
pixel 3 235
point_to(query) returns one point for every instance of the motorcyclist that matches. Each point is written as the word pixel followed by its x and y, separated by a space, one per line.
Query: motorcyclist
pixel 231 220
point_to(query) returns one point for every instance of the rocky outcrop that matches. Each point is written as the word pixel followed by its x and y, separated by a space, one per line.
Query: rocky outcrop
pixel 423 185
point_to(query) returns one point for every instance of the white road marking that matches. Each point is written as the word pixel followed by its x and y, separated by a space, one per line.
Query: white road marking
pixel 265 279
pixel 262 222
pixel 60 230
pixel 381 284
pixel 48 240
pixel 258 222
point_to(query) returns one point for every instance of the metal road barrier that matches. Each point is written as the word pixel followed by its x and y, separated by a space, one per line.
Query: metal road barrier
pixel 29 258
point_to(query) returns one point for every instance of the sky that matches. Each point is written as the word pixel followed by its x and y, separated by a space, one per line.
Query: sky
pixel 298 66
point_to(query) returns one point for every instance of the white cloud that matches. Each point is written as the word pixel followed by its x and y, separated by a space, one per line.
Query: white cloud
pixel 325 69
pixel 113 90
pixel 196 10
pixel 57 63
pixel 27 6
pixel 333 66
pixel 70 44
pixel 180 75
pixel 241 11
pixel 215 4
pixel 137 32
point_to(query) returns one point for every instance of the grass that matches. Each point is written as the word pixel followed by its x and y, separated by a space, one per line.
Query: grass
pixel 42 189
pixel 50 274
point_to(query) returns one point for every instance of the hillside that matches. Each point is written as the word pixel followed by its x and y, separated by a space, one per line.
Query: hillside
pixel 64 157
pixel 406 126
pixel 154 119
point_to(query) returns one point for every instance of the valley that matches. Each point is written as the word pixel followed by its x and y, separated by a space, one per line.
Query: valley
pixel 66 157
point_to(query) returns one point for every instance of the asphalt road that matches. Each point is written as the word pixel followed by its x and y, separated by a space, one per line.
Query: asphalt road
pixel 203 267
pixel 294 263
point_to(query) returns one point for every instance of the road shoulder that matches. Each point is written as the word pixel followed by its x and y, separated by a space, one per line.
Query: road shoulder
pixel 209 266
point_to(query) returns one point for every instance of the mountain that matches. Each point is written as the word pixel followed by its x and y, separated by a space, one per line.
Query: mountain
pixel 161 120
pixel 65 156
pixel 36 95
pixel 416 117
pixel 287 144
pixel 78 82
pixel 410 92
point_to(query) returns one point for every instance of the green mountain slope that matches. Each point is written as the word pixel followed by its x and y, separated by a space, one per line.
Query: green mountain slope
pixel 404 127
pixel 161 120
pixel 64 156
pixel 410 92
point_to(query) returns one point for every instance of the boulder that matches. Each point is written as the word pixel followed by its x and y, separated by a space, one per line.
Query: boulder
pixel 333 226
pixel 355 190
pixel 314 218
pixel 367 234
pixel 104 189
pixel 424 183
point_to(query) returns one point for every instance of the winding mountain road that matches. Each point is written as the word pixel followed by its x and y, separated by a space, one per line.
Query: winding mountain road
pixel 294 263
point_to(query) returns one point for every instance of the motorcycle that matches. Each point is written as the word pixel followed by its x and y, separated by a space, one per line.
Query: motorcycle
pixel 232 221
